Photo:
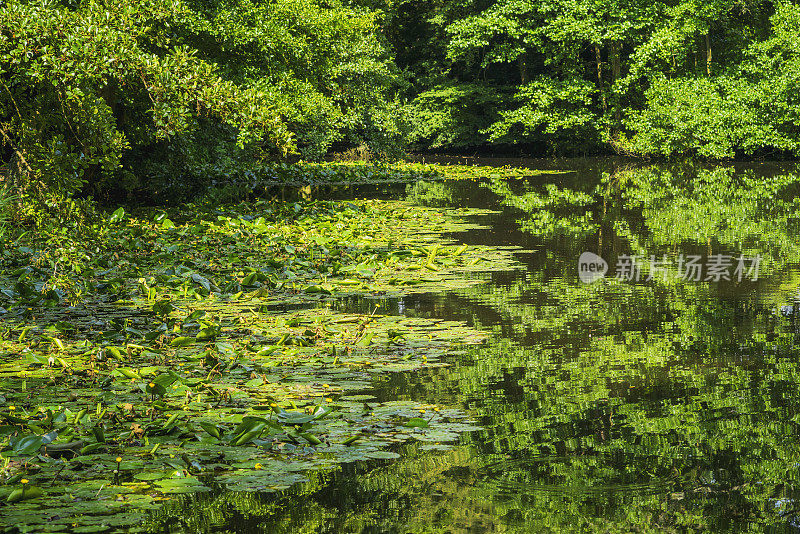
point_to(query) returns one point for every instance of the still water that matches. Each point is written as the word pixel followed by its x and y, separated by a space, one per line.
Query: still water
pixel 644 402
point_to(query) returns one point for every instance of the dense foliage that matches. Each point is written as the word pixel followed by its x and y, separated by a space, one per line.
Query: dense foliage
pixel 683 77
pixel 98 97
pixel 153 352
pixel 108 99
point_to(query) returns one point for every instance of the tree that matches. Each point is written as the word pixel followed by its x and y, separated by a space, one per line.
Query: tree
pixel 96 94
pixel 681 77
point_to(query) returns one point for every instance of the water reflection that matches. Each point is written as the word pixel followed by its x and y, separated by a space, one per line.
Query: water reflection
pixel 660 405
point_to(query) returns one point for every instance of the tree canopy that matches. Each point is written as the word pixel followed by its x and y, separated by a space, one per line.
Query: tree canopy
pixel 101 97
pixel 97 92
pixel 647 78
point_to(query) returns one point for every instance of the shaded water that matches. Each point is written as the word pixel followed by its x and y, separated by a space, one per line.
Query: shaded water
pixel 658 404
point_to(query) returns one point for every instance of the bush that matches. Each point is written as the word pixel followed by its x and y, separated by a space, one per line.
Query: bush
pixel 453 115
pixel 709 117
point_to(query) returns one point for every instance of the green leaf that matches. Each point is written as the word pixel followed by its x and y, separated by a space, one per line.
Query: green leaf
pixel 416 422
pixel 128 373
pixel 182 341
pixel 93 447
pixel 23 494
pixel 211 428
pixel 295 418
pixel 27 445
pixel 154 388
pixel 117 216
pixel 208 333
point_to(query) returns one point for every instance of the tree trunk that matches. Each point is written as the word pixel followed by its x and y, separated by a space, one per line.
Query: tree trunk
pixel 599 59
pixel 616 50
pixel 708 52
pixel 523 69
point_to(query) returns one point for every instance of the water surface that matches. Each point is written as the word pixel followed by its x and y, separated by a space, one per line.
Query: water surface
pixel 652 404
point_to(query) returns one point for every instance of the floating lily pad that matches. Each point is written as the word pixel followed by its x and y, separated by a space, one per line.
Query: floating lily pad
pixel 382 455
pixel 182 485
pixel 162 370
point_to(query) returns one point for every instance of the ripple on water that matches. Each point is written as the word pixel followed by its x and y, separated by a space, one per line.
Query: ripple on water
pixel 528 476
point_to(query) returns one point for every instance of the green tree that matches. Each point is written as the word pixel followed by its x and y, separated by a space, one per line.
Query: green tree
pixel 681 77
pixel 95 95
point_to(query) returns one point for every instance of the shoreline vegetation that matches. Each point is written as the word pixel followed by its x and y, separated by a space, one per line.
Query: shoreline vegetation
pixel 121 101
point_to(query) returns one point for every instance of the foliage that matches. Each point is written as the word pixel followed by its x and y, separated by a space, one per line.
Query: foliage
pixel 81 64
pixel 100 97
pixel 666 78
pixel 7 201
pixel 173 97
pixel 554 112
pixel 453 115
pixel 181 344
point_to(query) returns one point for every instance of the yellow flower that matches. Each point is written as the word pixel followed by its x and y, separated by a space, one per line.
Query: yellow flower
pixel 12 408
pixel 151 385
pixel 24 481
pixel 258 466
pixel 326 386
pixel 274 405
pixel 119 459
pixel 421 410
pixel 436 409
pixel 328 400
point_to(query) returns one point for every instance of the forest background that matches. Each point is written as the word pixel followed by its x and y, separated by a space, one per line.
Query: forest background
pixel 128 99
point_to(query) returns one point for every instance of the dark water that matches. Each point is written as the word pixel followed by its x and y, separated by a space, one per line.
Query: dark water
pixel 661 404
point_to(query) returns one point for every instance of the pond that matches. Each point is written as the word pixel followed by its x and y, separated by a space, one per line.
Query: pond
pixel 662 396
